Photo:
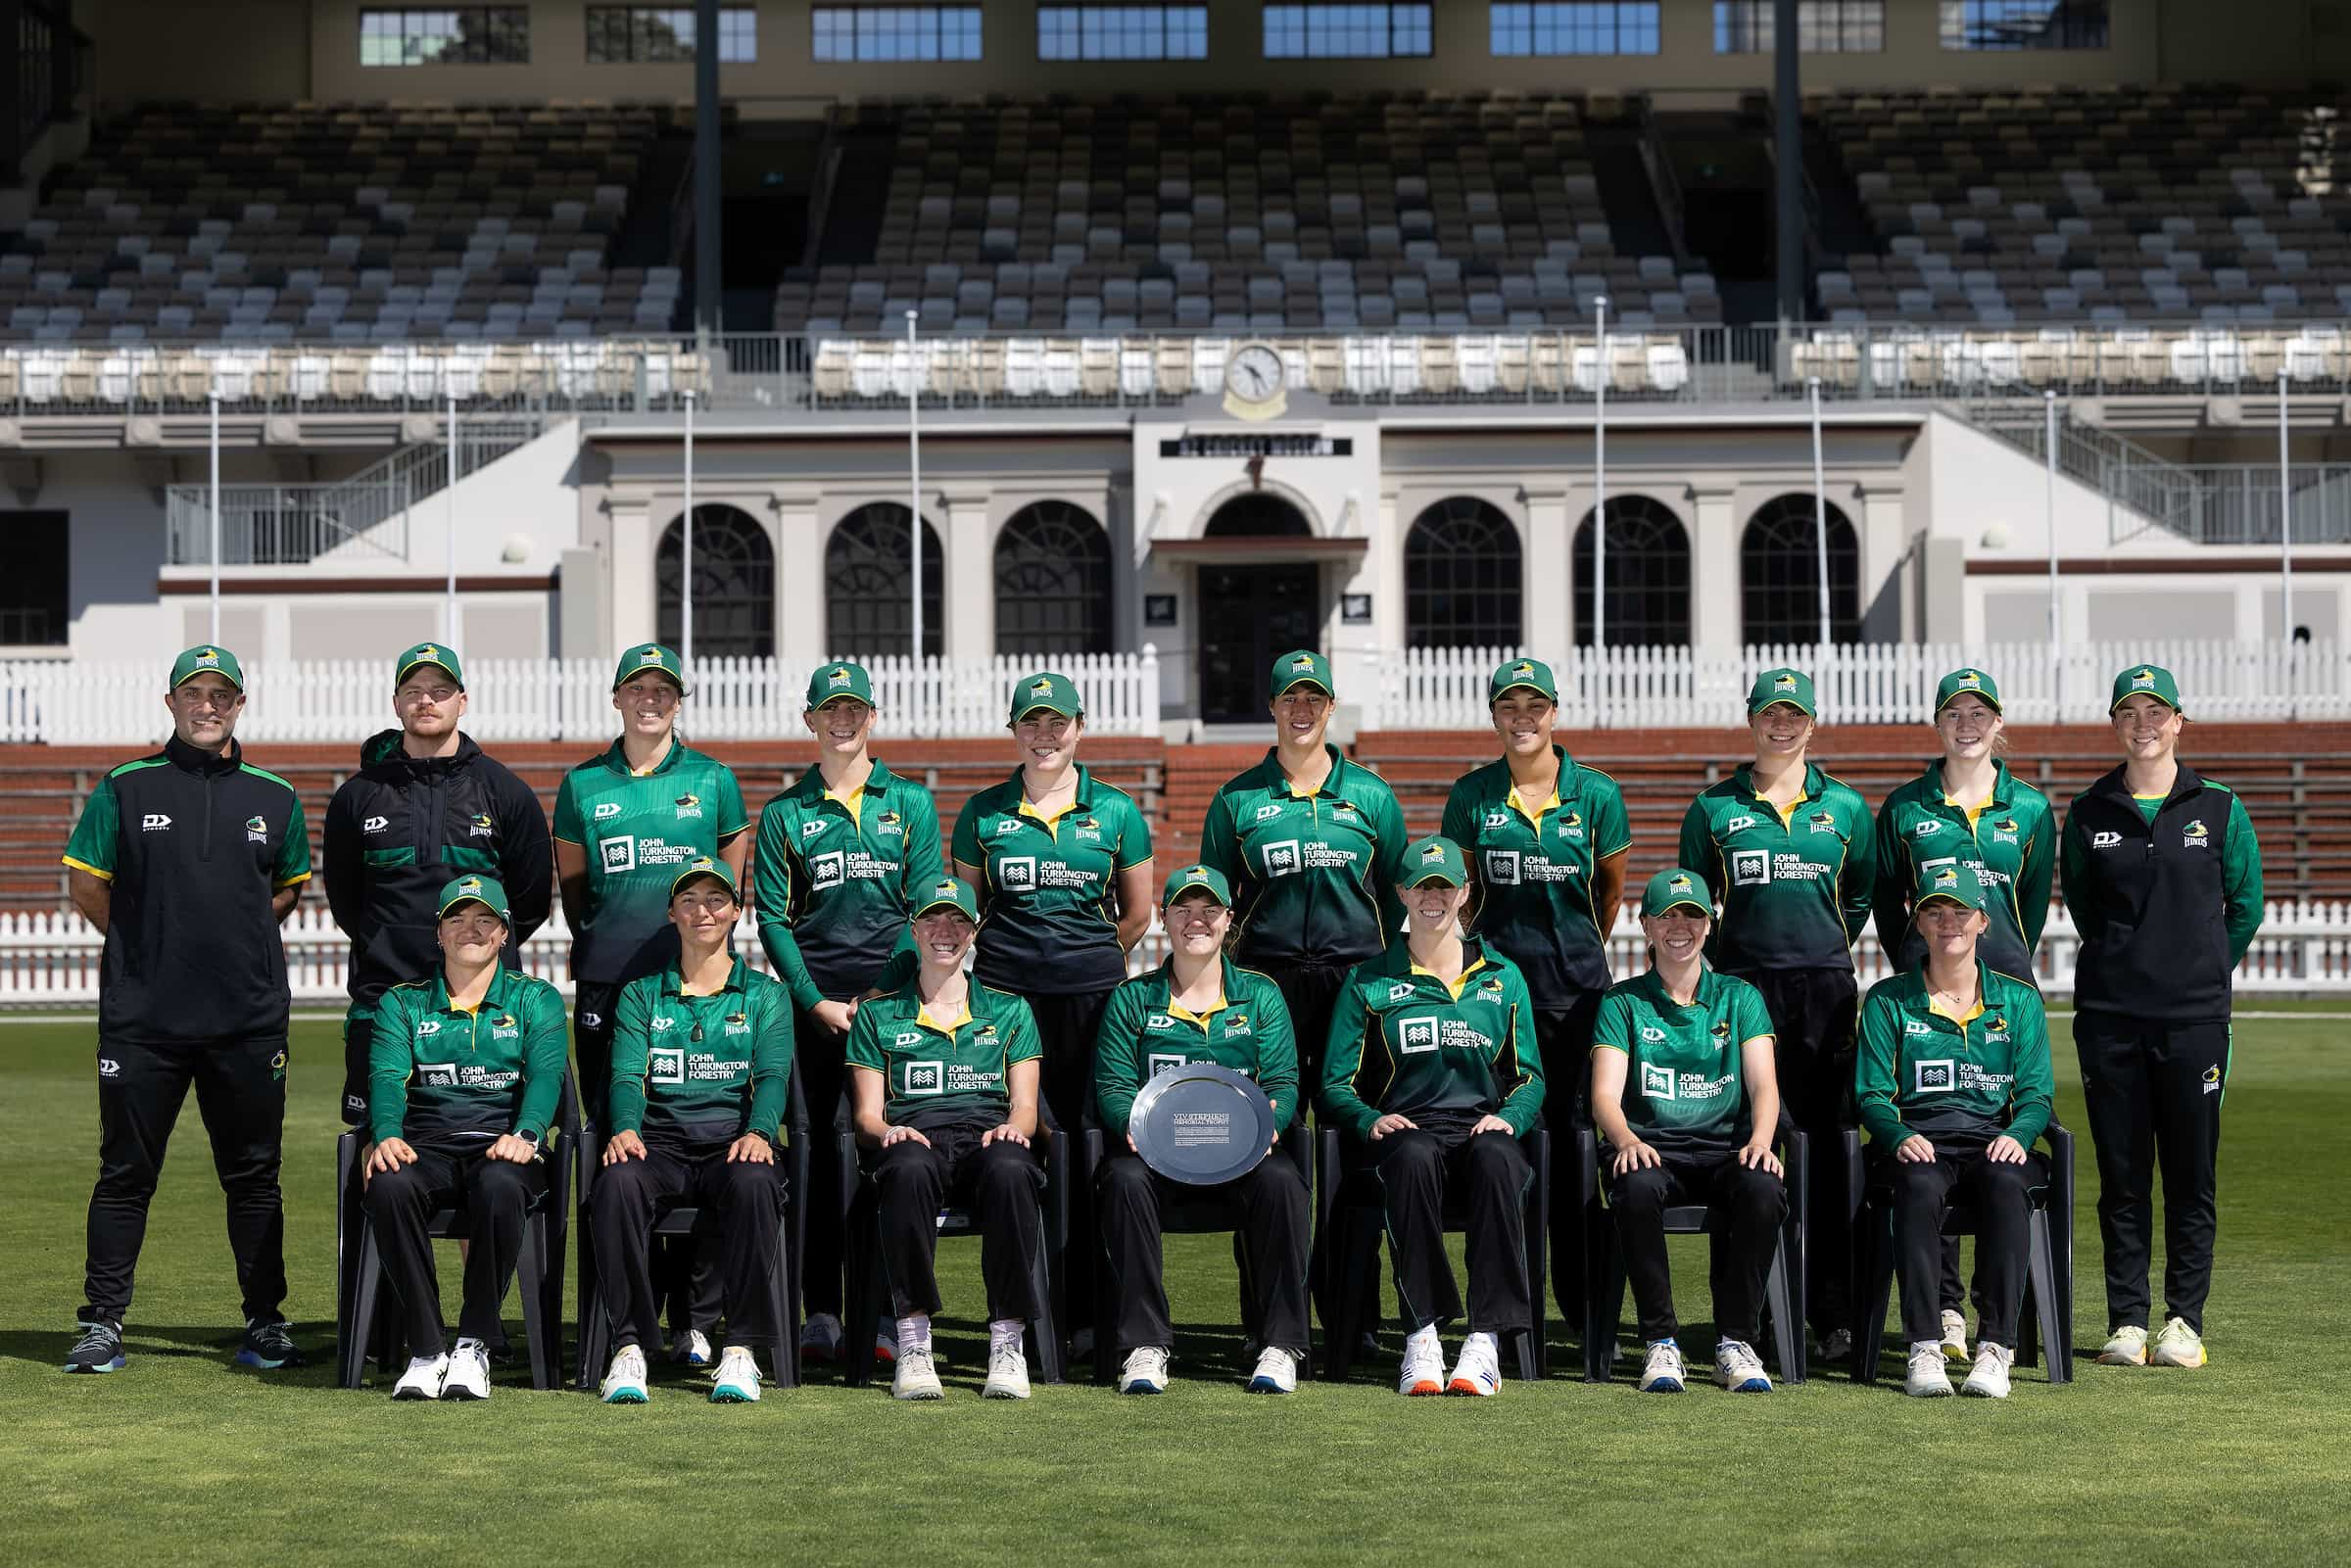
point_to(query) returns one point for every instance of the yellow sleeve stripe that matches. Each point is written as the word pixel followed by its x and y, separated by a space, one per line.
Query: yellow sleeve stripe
pixel 83 865
pixel 1611 1045
pixel 574 842
pixel 1756 1039
pixel 294 880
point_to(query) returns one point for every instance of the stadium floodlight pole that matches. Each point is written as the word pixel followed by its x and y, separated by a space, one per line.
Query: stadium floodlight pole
pixel 1821 513
pixel 685 551
pixel 2056 611
pixel 2285 526
pixel 449 608
pixel 1600 479
pixel 914 459
pixel 215 552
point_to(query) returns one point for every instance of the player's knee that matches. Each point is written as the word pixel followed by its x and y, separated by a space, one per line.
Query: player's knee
pixel 1124 1179
pixel 1644 1191
pixel 1759 1193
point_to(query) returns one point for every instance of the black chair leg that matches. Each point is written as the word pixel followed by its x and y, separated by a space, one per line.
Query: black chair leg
pixel 784 1309
pixel 367 1281
pixel 1875 1237
pixel 863 1292
pixel 1787 1330
pixel 2046 1302
pixel 536 1329
pixel 1604 1301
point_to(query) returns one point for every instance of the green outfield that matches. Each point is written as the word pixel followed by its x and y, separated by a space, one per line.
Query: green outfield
pixel 183 1459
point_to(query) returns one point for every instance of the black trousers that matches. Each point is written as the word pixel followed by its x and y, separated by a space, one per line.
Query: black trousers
pixel 241 1094
pixel 1814 1017
pixel 998 1182
pixel 1748 1206
pixel 1273 1228
pixel 359 1037
pixel 2153 1092
pixel 1416 1168
pixel 1564 1036
pixel 495 1193
pixel 1067 1026
pixel 823 1080
pixel 2001 1195
pixel 592 1046
pixel 1311 991
pixel 632 1194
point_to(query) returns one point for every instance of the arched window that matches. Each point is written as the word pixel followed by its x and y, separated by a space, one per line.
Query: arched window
pixel 1779 575
pixel 1256 513
pixel 733 585
pixel 1052 582
pixel 868 584
pixel 1464 576
pixel 1649 576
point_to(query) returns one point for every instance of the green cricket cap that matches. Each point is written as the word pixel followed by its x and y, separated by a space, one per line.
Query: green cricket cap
pixel 475 888
pixel 1532 675
pixel 1054 694
pixel 1674 888
pixel 1959 885
pixel 1206 878
pixel 649 656
pixel 1434 859
pixel 948 892
pixel 1302 667
pixel 705 866
pixel 196 661
pixel 435 654
pixel 832 681
pixel 1966 683
pixel 1792 686
pixel 2145 680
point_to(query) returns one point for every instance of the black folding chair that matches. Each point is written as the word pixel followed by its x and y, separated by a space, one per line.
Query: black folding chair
pixel 1347 1194
pixel 1784 1300
pixel 2048 1305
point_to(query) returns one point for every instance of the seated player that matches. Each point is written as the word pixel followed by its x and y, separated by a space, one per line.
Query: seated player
pixel 1432 1064
pixel 1678 1054
pixel 1199 1006
pixel 1953 1084
pixel 701 1065
pixel 944 1086
pixel 463 1077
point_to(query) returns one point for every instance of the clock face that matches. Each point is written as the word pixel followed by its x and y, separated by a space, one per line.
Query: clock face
pixel 1254 375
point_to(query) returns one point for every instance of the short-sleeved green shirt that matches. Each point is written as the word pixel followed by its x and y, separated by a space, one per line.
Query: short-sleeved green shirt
pixel 1314 876
pixel 935 1077
pixel 1049 926
pixel 702 1070
pixel 1794 886
pixel 1535 862
pixel 1685 1088
pixel 639 829
pixel 1144 1034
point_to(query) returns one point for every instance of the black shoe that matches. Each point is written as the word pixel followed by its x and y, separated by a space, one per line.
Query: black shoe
pixel 99 1350
pixel 268 1344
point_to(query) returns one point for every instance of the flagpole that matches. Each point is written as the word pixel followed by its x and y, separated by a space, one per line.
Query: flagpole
pixel 685 551
pixel 1600 482
pixel 1821 515
pixel 914 464
pixel 215 550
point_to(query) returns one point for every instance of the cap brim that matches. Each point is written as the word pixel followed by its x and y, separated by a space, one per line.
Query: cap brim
pixel 937 904
pixel 1985 698
pixel 1046 707
pixel 1704 909
pixel 234 684
pixel 1759 710
pixel 1427 876
pixel 687 878
pixel 471 899
pixel 413 665
pixel 662 670
pixel 1947 898
pixel 1314 680
pixel 831 698
pixel 1181 888
pixel 1543 692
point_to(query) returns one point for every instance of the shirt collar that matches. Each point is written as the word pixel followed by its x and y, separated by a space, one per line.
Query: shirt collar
pixel 617 759
pixel 1279 783
pixel 1926 995
pixel 500 986
pixel 197 760
pixel 673 979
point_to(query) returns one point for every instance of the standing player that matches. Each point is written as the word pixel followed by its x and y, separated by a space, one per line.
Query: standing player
pixel 1548 840
pixel 188 860
pixel 1788 854
pixel 1064 869
pixel 840 855
pixel 2163 877
pixel 627 821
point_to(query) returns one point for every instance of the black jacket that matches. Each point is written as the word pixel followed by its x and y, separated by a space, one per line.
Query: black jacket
pixel 194 848
pixel 400 828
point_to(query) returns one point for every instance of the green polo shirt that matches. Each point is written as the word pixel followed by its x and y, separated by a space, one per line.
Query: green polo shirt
pixel 1535 860
pixel 834 875
pixel 1685 1081
pixel 1048 885
pixel 1144 1033
pixel 935 1077
pixel 702 1070
pixel 638 830
pixel 437 1073
pixel 2010 843
pixel 1793 887
pixel 1404 1041
pixel 1921 1071
pixel 1314 876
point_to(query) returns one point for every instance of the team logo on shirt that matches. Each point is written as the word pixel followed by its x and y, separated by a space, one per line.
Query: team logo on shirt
pixel 2004 831
pixel 1416 1036
pixel 689 806
pixel 1927 829
pixel 1237 1023
pixel 606 809
pixel 1657 1082
pixel 1489 986
pixel 1721 1031
pixel 1995 1029
pixel 483 826
pixel 2195 836
pixel 1572 825
pixel 1823 822
pixel 738 1023
pixel 889 823
pixel 375 825
pixel 1934 1076
pixel 2105 840
pixel 257 830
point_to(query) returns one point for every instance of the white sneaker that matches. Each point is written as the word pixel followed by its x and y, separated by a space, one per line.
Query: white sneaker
pixel 1423 1368
pixel 1276 1372
pixel 916 1378
pixel 1007 1372
pixel 1955 1336
pixel 1927 1379
pixel 1989 1379
pixel 737 1379
pixel 1739 1369
pixel 2127 1347
pixel 820 1337
pixel 1663 1372
pixel 690 1348
pixel 423 1378
pixel 1146 1371
pixel 624 1382
pixel 468 1372
pixel 1479 1370
pixel 2177 1345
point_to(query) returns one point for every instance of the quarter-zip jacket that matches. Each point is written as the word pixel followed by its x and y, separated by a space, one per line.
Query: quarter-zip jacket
pixel 194 848
pixel 400 828
pixel 2011 844
pixel 2167 902
pixel 1314 876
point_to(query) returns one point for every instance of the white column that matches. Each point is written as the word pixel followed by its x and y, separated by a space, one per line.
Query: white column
pixel 800 579
pixel 1549 601
pixel 967 558
pixel 635 601
pixel 1716 625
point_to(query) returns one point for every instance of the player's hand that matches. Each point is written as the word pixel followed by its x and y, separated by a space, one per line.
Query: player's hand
pixel 2005 1151
pixel 622 1146
pixel 1392 1123
pixel 1634 1156
pixel 514 1150
pixel 1914 1151
pixel 1130 1148
pixel 1758 1156
pixel 890 1135
pixel 750 1149
pixel 1492 1125
pixel 1007 1133
pixel 834 1017
pixel 390 1154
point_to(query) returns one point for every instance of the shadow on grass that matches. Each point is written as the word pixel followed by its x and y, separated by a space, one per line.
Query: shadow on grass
pixel 209 1342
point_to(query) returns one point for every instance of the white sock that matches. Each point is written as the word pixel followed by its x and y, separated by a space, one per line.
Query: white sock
pixel 1424 1337
pixel 1934 1345
pixel 1480 1341
pixel 465 1344
pixel 1003 1331
pixel 914 1332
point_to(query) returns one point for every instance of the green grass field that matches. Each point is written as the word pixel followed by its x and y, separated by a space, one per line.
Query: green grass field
pixel 183 1459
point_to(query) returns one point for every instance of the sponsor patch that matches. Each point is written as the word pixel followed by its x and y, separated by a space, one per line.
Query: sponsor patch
pixel 1749 868
pixel 1934 1076
pixel 1657 1082
pixel 375 825
pixel 2105 840
pixel 154 822
pixel 618 854
pixel 606 809
pixel 922 1078
pixel 1416 1036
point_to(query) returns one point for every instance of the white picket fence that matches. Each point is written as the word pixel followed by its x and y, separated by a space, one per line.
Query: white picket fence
pixel 87 702
pixel 1867 682
pixel 49 959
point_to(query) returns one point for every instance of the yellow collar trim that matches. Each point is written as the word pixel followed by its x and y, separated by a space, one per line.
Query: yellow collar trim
pixel 1051 819
pixel 1940 1010
pixel 1517 804
pixel 921 1020
pixel 1178 1010
pixel 1452 985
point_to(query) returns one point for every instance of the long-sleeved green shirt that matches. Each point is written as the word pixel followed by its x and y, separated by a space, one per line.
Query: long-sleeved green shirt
pixel 1920 1071
pixel 1403 1041
pixel 834 875
pixel 1314 876
pixel 2010 841
pixel 1145 1033
pixel 437 1073
pixel 702 1070
pixel 1794 886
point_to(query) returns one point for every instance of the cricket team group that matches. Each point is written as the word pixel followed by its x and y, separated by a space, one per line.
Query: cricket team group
pixel 1432 999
